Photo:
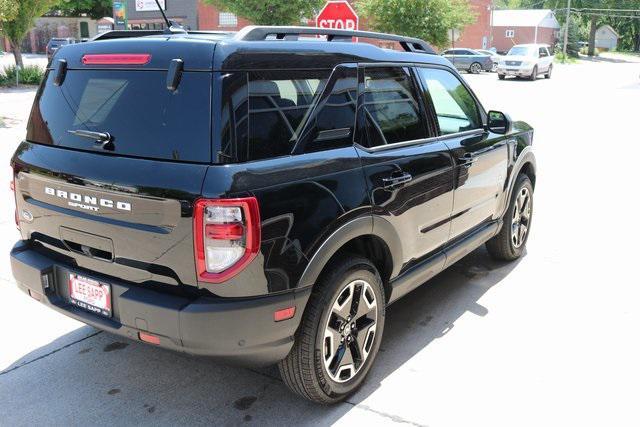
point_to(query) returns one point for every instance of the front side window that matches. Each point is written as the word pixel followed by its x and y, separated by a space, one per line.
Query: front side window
pixel 455 107
pixel 391 108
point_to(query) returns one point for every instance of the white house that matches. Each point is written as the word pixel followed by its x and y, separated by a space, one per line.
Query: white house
pixel 606 38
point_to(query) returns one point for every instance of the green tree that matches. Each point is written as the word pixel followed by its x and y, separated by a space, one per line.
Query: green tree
pixel 19 20
pixel 430 20
pixel 270 12
pixel 96 9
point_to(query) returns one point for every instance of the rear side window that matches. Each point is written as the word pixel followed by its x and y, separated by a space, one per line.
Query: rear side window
pixel 391 107
pixel 134 107
pixel 333 121
pixel 269 114
pixel 454 106
pixel 279 102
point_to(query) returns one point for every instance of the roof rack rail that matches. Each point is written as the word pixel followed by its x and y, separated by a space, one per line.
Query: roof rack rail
pixel 256 33
pixel 121 34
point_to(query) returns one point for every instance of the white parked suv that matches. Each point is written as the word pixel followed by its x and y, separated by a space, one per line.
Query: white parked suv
pixel 526 60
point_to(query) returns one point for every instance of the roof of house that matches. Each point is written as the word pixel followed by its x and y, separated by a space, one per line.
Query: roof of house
pixel 609 28
pixel 525 18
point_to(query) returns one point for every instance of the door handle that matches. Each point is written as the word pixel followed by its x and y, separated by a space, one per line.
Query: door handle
pixel 396 180
pixel 468 159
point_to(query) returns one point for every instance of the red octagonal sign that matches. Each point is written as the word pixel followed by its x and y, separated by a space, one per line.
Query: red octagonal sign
pixel 339 15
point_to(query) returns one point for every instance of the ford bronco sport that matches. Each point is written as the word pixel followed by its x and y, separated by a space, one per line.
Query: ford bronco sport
pixel 260 197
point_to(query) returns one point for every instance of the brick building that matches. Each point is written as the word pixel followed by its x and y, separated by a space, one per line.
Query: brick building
pixel 511 27
pixel 478 34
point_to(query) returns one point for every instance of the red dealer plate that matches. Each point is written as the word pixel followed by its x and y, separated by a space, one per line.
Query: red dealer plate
pixel 90 295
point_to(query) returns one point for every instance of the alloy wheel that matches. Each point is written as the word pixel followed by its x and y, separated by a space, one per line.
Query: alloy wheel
pixel 350 331
pixel 521 218
pixel 475 68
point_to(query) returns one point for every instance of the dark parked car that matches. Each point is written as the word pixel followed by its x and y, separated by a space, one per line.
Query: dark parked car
pixel 259 198
pixel 55 44
pixel 469 60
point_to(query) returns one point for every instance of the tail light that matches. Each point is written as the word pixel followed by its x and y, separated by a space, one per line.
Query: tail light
pixel 226 236
pixel 12 187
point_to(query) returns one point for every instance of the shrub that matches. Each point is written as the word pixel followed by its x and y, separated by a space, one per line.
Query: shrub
pixel 29 75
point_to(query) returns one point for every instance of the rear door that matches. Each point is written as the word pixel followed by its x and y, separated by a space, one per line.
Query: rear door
pixel 409 173
pixel 122 207
pixel 545 58
pixel 480 156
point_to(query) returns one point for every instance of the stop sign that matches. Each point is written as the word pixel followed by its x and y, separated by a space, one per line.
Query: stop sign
pixel 339 15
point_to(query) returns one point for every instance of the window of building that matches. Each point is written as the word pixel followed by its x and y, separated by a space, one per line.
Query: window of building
pixel 455 107
pixel 510 34
pixel 227 19
pixel 391 107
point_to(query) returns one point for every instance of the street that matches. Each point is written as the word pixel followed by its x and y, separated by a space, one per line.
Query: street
pixel 551 339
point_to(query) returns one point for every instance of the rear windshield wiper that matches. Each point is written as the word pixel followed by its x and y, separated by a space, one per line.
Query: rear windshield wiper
pixel 103 138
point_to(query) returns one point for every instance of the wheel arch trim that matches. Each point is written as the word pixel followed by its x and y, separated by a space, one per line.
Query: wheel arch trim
pixel 359 227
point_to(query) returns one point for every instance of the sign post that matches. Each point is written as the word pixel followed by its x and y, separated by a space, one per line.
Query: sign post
pixel 339 15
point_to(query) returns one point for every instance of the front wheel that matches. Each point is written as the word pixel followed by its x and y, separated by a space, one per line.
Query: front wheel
pixel 534 73
pixel 340 333
pixel 548 75
pixel 501 76
pixel 510 242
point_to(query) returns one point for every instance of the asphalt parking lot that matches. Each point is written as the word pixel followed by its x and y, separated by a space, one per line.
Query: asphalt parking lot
pixel 549 340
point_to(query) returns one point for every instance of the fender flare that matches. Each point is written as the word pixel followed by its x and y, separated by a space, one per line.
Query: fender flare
pixel 526 157
pixel 362 226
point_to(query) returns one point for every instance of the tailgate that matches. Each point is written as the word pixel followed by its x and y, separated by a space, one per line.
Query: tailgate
pixel 125 217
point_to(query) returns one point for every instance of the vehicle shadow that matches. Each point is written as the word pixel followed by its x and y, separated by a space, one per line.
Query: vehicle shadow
pixel 606 59
pixel 116 381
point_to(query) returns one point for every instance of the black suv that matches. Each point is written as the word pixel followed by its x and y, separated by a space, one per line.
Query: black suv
pixel 260 197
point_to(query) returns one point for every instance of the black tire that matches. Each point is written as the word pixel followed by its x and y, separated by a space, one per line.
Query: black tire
pixel 501 76
pixel 502 246
pixel 548 74
pixel 534 73
pixel 303 370
pixel 475 68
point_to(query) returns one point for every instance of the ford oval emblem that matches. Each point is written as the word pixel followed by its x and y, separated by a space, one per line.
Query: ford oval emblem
pixel 27 216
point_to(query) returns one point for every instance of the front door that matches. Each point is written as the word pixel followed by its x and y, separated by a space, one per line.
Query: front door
pixel 480 157
pixel 409 173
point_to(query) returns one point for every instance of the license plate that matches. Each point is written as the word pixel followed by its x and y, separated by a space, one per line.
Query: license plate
pixel 511 72
pixel 90 295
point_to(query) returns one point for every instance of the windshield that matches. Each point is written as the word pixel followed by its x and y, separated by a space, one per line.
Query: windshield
pixel 521 51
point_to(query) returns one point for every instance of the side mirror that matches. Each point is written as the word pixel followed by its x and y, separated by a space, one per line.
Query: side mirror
pixel 499 123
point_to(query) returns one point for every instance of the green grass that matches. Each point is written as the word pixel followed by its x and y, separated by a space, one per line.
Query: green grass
pixel 564 59
pixel 29 75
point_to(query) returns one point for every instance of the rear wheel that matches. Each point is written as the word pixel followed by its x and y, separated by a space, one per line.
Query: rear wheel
pixel 510 242
pixel 475 68
pixel 340 333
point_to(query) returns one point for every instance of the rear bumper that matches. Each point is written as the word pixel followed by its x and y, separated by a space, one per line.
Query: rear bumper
pixel 235 331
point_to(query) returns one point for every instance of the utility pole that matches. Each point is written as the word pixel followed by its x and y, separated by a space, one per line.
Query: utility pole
pixel 566 29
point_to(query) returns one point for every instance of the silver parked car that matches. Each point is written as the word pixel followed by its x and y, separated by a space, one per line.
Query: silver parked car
pixel 469 60
pixel 495 57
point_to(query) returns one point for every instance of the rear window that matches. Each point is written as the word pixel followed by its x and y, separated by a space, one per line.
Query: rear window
pixel 144 118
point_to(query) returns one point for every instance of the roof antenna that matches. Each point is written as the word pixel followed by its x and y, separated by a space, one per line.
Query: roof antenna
pixel 171 26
